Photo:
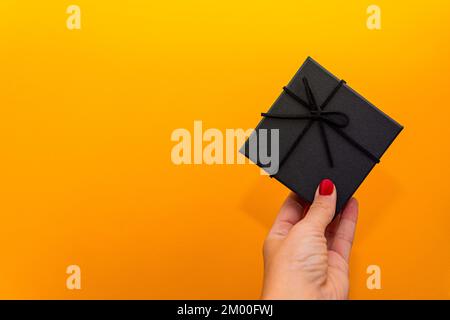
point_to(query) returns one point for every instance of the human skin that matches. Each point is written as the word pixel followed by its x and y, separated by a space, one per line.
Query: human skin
pixel 306 253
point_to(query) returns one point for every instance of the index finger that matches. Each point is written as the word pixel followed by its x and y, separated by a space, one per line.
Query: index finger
pixel 342 239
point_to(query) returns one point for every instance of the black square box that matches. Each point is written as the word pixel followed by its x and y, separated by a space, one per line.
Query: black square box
pixel 326 130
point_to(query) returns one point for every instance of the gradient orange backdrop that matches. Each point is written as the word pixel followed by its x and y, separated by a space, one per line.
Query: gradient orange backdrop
pixel 86 118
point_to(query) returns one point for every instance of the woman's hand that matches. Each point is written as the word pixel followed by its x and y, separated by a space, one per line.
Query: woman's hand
pixel 306 253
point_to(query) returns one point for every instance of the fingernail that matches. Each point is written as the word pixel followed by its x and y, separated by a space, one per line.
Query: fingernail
pixel 326 187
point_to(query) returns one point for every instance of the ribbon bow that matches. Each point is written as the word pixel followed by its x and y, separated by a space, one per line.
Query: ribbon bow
pixel 335 120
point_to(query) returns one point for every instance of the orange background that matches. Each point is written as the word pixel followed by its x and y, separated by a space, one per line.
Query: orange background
pixel 86 118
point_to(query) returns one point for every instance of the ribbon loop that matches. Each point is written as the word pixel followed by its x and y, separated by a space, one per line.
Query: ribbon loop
pixel 334 119
pixel 337 119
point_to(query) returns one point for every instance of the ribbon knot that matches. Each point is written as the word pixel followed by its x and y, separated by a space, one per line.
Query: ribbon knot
pixel 333 119
pixel 338 119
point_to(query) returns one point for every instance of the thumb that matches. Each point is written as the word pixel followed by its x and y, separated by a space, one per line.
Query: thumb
pixel 322 210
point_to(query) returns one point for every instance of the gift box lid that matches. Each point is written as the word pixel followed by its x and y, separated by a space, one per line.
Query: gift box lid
pixel 325 130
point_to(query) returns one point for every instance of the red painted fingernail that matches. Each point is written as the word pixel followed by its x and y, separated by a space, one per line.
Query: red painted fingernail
pixel 326 187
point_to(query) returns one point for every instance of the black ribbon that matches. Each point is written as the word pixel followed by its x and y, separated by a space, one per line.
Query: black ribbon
pixel 335 120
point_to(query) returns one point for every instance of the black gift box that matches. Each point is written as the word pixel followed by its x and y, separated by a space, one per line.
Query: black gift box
pixel 326 130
